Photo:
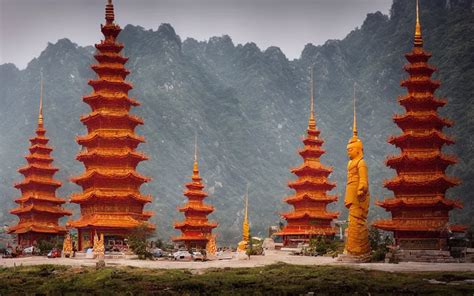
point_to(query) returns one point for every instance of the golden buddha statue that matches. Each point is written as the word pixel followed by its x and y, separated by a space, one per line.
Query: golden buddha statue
pixel 357 197
pixel 67 246
pixel 99 248
pixel 95 240
pixel 211 247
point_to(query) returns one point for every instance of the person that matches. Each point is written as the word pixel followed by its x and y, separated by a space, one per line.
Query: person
pixel 74 249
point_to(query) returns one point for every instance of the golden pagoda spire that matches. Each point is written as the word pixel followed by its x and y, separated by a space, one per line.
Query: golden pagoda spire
pixel 312 121
pixel 40 114
pixel 195 167
pixel 418 37
pixel 245 225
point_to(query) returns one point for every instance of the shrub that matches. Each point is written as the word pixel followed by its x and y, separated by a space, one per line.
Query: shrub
pixel 45 246
pixel 321 246
pixel 137 241
pixel 378 244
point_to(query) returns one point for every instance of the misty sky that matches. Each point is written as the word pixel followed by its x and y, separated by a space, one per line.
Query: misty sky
pixel 27 25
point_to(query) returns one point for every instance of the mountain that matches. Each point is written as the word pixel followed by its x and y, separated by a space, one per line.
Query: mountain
pixel 249 109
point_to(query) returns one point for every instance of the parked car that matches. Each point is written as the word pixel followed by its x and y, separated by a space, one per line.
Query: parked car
pixel 30 251
pixel 182 255
pixel 156 252
pixel 198 256
pixel 9 253
pixel 54 253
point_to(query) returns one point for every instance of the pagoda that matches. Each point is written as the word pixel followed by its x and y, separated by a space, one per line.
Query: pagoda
pixel 310 217
pixel 196 229
pixel 419 208
pixel 39 209
pixel 111 202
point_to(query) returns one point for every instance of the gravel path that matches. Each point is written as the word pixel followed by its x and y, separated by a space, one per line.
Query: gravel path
pixel 271 257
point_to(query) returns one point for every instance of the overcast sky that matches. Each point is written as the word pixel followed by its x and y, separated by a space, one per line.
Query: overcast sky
pixel 27 25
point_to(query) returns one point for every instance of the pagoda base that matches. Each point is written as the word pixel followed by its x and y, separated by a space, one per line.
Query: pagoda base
pixel 296 240
pixel 349 258
pixel 29 239
pixel 115 238
pixel 433 256
pixel 191 245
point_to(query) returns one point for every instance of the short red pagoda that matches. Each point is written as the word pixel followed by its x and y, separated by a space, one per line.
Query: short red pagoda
pixel 39 208
pixel 310 217
pixel 419 208
pixel 196 229
pixel 111 202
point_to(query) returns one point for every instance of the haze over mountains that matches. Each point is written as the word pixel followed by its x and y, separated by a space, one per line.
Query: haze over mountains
pixel 249 109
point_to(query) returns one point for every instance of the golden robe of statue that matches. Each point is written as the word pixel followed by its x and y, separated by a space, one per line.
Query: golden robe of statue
pixel 357 199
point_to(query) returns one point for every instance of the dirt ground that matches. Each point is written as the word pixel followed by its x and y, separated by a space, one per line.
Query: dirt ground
pixel 271 257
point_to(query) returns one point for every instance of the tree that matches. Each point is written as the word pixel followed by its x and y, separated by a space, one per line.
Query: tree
pixel 137 241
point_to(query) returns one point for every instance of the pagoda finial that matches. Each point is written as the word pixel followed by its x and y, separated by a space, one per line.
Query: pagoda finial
pixel 109 13
pixel 354 125
pixel 40 114
pixel 312 122
pixel 354 140
pixel 418 37
pixel 196 167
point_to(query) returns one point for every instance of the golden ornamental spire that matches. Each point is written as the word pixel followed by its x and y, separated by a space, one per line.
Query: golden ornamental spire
pixel 354 125
pixel 312 121
pixel 354 140
pixel 245 225
pixel 40 114
pixel 195 167
pixel 418 37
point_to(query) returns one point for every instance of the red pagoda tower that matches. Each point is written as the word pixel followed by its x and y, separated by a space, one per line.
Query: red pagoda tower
pixel 419 208
pixel 39 208
pixel 310 217
pixel 111 202
pixel 196 229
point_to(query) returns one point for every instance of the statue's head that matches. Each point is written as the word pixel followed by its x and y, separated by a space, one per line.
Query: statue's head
pixel 355 148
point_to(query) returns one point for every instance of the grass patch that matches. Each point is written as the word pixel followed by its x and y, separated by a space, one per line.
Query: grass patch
pixel 277 279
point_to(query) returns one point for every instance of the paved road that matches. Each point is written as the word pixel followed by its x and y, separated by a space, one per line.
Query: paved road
pixel 271 257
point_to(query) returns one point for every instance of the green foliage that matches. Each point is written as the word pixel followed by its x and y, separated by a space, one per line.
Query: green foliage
pixel 322 246
pixel 159 243
pixel 254 247
pixel 378 244
pixel 137 241
pixel 277 279
pixel 45 246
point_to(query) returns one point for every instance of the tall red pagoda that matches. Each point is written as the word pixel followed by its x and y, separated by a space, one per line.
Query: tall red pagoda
pixel 39 208
pixel 196 229
pixel 111 202
pixel 419 208
pixel 310 217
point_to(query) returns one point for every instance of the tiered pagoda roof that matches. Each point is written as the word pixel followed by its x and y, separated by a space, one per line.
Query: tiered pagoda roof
pixel 111 197
pixel 419 204
pixel 39 209
pixel 309 216
pixel 196 229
